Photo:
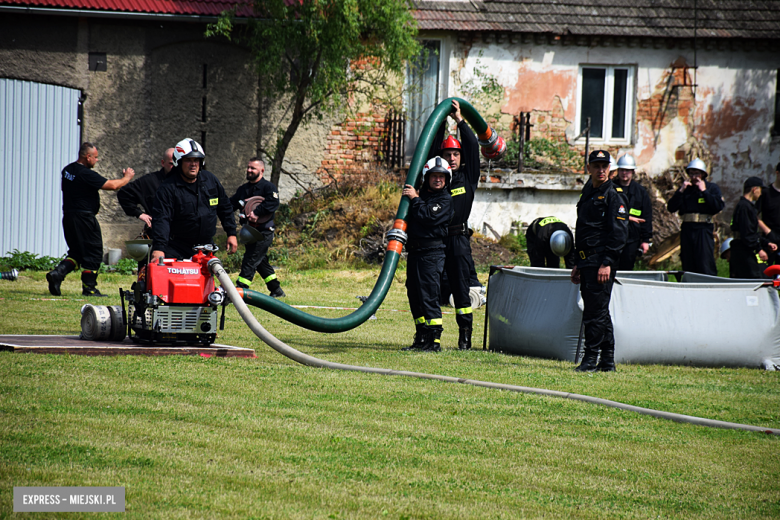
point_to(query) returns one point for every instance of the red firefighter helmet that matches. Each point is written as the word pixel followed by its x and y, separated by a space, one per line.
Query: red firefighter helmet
pixel 450 143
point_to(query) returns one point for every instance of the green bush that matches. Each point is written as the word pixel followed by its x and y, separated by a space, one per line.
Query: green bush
pixel 27 261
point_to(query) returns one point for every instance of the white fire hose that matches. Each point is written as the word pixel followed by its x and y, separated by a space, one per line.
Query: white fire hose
pixel 246 314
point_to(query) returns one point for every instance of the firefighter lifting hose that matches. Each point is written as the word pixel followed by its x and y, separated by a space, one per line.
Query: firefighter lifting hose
pixel 493 147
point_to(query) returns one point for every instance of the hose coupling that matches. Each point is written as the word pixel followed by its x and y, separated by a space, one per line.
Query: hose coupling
pixel 490 140
pixel 398 235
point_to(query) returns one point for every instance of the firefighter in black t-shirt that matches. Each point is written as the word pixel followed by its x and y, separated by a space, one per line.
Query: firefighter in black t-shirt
pixel 768 207
pixel 143 191
pixel 429 215
pixel 80 203
pixel 747 241
pixel 602 229
pixel 540 251
pixel 261 219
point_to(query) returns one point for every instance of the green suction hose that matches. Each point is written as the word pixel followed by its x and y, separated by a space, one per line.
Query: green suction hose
pixel 397 237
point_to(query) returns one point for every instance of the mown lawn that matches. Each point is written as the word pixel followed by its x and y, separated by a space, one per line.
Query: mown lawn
pixel 190 437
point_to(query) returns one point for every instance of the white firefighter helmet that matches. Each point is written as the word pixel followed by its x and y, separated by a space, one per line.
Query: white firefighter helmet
pixel 560 243
pixel 612 164
pixel 725 246
pixel 437 165
pixel 697 164
pixel 626 163
pixel 188 148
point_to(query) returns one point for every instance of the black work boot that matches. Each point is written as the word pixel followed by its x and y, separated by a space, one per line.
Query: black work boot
pixel 607 361
pixel 417 342
pixel 588 361
pixel 278 293
pixel 241 285
pixel 432 341
pixel 58 274
pixel 464 338
pixel 89 284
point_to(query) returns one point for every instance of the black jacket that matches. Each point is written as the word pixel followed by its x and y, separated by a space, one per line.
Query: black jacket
pixel 745 222
pixel 141 191
pixel 429 215
pixel 693 200
pixel 639 206
pixel 261 188
pixel 602 225
pixel 186 214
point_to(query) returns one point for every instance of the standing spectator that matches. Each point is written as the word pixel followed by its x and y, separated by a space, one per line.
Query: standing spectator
pixel 142 192
pixel 640 214
pixel 261 218
pixel 697 201
pixel 429 216
pixel 768 207
pixel 747 241
pixel 537 239
pixel 187 206
pixel 602 229
pixel 464 162
pixel 80 203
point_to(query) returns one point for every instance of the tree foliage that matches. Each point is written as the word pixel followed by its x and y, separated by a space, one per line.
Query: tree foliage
pixel 316 55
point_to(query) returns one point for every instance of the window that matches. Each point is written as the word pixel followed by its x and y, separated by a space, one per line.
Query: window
pixel 422 91
pixel 605 96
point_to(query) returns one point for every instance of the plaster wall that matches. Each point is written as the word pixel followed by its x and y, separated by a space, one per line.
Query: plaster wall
pixel 729 120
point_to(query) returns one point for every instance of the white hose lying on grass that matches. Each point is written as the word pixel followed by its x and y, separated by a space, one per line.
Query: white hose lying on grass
pixel 304 359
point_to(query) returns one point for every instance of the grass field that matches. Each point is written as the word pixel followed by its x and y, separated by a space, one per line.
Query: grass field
pixel 190 437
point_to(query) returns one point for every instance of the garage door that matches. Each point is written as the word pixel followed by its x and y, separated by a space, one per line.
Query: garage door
pixel 40 134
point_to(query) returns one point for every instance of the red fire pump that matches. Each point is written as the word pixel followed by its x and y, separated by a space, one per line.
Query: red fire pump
pixel 175 302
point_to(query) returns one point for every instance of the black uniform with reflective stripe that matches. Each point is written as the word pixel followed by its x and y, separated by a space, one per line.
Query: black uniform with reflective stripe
pixel 697 246
pixel 429 216
pixel 639 206
pixel 458 263
pixel 262 188
pixel 743 262
pixel 185 214
pixel 537 238
pixel 602 225
pixel 141 191
pixel 256 254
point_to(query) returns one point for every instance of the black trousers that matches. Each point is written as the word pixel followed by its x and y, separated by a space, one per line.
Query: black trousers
pixel 628 256
pixel 256 260
pixel 423 273
pixel 84 238
pixel 599 334
pixel 458 264
pixel 743 262
pixel 697 248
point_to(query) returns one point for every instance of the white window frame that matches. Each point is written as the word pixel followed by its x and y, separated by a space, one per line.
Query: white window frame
pixel 609 96
pixel 441 87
